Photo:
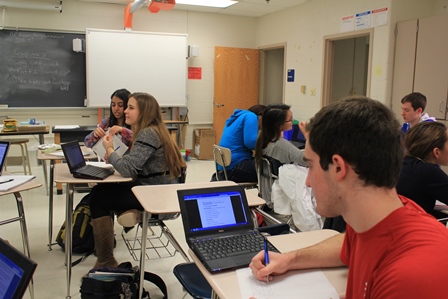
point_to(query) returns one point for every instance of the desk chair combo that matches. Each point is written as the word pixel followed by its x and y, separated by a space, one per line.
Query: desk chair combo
pixel 223 158
pixel 162 244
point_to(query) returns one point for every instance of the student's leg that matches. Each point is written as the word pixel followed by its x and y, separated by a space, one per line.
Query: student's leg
pixel 243 172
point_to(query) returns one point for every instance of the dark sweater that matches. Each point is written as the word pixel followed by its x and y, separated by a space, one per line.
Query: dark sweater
pixel 424 183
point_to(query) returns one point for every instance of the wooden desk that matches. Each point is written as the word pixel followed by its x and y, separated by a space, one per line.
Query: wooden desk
pixel 54 159
pixel 21 211
pixel 225 285
pixel 63 175
pixel 167 202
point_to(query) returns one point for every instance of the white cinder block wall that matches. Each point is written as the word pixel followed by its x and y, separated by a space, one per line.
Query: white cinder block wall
pixel 302 28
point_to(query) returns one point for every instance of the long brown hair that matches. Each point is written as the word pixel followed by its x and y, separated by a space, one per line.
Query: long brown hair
pixel 151 116
pixel 423 138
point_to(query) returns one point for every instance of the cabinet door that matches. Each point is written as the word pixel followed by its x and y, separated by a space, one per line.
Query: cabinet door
pixel 404 62
pixel 431 64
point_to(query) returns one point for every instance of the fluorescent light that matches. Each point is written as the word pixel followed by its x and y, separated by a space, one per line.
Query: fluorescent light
pixel 210 3
pixel 33 5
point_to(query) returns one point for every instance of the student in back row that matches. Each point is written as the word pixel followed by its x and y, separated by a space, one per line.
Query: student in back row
pixel 412 107
pixel 393 249
pixel 115 122
pixel 240 135
pixel 275 120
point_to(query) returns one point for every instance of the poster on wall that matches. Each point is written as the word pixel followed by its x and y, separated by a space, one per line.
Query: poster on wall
pixel 379 16
pixel 363 20
pixel 347 23
pixel 194 73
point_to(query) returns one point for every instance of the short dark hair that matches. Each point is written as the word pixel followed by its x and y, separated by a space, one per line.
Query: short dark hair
pixel 257 109
pixel 424 137
pixel 416 99
pixel 271 122
pixel 363 132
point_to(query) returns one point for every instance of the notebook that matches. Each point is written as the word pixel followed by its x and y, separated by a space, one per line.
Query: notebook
pixel 16 271
pixel 217 216
pixel 77 164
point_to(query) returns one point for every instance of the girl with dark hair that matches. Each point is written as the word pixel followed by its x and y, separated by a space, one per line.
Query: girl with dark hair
pixel 275 120
pixel 153 159
pixel 115 122
pixel 421 178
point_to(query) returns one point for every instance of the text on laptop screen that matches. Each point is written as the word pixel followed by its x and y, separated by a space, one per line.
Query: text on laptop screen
pixel 10 274
pixel 216 210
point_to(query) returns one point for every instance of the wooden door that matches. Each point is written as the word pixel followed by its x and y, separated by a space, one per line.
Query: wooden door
pixel 405 46
pixel 431 64
pixel 235 83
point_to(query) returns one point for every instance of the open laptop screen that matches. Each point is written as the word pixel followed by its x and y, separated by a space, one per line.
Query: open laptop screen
pixel 214 210
pixel 4 146
pixel 16 271
pixel 73 155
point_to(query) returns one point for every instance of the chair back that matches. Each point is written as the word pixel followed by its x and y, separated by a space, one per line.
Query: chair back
pixel 183 175
pixel 222 157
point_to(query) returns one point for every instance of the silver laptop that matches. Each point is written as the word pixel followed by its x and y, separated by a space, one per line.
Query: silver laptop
pixel 219 227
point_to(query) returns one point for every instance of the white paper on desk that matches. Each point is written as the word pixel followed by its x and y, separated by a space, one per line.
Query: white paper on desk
pixel 17 180
pixel 66 127
pixel 304 284
pixel 120 147
pixel 100 164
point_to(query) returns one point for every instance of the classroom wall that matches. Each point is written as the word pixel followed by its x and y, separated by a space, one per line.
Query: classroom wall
pixel 302 28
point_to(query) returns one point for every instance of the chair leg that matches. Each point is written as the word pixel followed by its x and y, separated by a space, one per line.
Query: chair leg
pixel 166 231
pixel 27 159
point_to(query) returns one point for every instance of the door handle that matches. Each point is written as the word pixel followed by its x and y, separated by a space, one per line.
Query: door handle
pixel 219 105
pixel 441 106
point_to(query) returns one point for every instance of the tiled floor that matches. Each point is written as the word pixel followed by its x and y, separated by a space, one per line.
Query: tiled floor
pixel 50 275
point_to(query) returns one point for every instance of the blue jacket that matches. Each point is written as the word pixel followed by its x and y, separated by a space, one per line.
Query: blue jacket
pixel 240 135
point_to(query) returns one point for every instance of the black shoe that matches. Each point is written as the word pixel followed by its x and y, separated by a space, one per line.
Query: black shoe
pixel 267 209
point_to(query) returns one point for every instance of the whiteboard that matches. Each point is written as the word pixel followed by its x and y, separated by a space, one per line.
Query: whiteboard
pixel 150 62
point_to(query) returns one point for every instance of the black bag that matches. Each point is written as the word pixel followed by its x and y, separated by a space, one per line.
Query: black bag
pixel 82 230
pixel 121 283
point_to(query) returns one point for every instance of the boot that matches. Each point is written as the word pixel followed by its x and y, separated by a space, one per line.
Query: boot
pixel 103 233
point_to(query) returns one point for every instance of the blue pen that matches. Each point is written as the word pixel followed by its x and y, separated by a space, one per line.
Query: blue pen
pixel 117 148
pixel 266 255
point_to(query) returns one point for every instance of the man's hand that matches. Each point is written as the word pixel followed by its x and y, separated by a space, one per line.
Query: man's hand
pixel 278 264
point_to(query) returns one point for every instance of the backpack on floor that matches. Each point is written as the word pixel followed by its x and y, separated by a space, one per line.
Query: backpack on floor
pixel 82 240
pixel 122 282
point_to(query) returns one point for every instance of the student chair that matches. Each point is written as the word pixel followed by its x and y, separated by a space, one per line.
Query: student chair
pixel 162 244
pixel 223 158
pixel 24 150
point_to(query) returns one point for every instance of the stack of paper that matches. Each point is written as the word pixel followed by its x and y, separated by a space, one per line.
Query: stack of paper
pixel 8 182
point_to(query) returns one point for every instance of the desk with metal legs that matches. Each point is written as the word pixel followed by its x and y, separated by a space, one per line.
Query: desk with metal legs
pixel 167 202
pixel 62 175
pixel 224 285
pixel 21 211
pixel 53 159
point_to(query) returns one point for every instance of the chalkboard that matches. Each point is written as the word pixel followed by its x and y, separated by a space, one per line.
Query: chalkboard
pixel 150 62
pixel 40 69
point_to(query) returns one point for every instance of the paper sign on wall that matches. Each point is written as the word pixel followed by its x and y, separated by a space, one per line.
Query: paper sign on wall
pixel 347 23
pixel 363 20
pixel 291 75
pixel 379 16
pixel 194 73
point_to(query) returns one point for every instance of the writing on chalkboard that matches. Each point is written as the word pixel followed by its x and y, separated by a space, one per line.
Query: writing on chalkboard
pixel 39 69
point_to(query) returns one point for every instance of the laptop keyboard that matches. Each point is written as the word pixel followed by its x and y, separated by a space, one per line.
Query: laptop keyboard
pixel 95 171
pixel 217 248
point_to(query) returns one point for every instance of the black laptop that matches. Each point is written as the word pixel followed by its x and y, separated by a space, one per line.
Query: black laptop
pixel 16 271
pixel 4 147
pixel 77 164
pixel 219 227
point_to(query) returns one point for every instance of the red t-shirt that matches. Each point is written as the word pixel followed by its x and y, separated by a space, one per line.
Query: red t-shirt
pixel 403 256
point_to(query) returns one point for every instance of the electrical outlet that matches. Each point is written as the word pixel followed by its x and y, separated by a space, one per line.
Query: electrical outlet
pixel 313 91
